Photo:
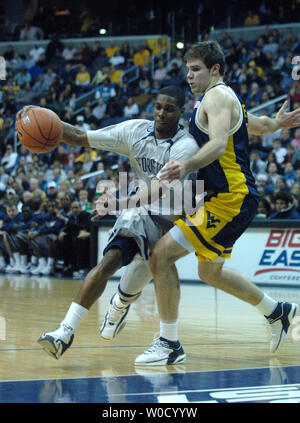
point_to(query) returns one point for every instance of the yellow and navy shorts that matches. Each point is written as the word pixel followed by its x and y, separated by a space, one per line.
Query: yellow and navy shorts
pixel 215 227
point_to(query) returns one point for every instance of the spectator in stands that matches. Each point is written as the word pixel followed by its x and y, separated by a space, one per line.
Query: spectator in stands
pixel 35 53
pixel 142 57
pixel 52 100
pixel 83 78
pixel 273 175
pixel 251 19
pixel 100 75
pixel 7 133
pixel 11 220
pixel 78 170
pixel 81 124
pixel 111 49
pixel 285 137
pixel 30 219
pixel 117 59
pixel 22 77
pixel 9 53
pixel 284 207
pixel 43 240
pixel 158 46
pixel 3 176
pixel 271 45
pixel 9 159
pixel 40 87
pixel 289 174
pixel 99 111
pixel 88 21
pixel 69 52
pixel 281 185
pixel 254 94
pixel 52 190
pixel 294 92
pixel 160 73
pixel 16 63
pixel 35 189
pixel 257 165
pixel 31 33
pixel 295 189
pixel 89 117
pixel 279 151
pixel 58 172
pixel 173 78
pixel 83 55
pixel 50 76
pixel 177 60
pixel 296 201
pixel 271 158
pixel 25 95
pixel 57 61
pixel 75 239
pixel 106 91
pixel 115 75
pixel 296 140
pixel 83 197
pixel 131 110
pixel 292 156
pixel 144 84
pixel 87 162
pixel 125 51
pixel 264 208
pixel 96 50
pixel 69 116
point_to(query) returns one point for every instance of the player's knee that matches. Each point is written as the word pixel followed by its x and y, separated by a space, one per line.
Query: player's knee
pixel 209 273
pixel 159 260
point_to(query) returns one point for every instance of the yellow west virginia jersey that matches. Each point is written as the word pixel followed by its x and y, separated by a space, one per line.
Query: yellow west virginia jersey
pixel 232 197
pixel 230 173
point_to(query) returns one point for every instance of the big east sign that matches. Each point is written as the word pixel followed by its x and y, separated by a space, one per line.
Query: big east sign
pixel 281 254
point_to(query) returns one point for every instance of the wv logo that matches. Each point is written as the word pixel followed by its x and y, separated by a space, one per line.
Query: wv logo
pixel 211 220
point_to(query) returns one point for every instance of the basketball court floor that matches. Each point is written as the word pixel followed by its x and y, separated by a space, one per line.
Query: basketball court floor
pixel 226 342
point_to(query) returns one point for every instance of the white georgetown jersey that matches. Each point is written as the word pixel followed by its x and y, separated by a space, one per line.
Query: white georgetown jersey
pixel 136 139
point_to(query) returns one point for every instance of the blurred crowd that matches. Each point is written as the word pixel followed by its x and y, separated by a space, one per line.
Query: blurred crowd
pixel 54 184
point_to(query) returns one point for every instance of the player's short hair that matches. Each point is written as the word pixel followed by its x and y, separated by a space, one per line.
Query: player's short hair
pixel 210 52
pixel 175 92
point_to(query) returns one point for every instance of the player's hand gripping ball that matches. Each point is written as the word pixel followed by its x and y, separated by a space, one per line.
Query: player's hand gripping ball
pixel 39 129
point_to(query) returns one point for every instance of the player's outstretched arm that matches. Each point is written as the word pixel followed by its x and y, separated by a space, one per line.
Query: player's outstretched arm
pixel 74 136
pixel 265 125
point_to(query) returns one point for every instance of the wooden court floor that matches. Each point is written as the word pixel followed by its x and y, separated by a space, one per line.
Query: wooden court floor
pixel 218 332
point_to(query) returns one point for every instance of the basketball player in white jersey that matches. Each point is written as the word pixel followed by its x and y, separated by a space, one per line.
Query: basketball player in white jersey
pixel 149 146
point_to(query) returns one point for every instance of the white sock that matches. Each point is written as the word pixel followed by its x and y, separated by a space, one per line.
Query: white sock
pixel 117 302
pixel 50 261
pixel 74 315
pixel 42 262
pixel 267 305
pixel 17 258
pixel 34 260
pixel 2 261
pixel 169 331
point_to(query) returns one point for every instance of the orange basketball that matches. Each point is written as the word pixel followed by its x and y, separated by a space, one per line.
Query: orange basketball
pixel 39 130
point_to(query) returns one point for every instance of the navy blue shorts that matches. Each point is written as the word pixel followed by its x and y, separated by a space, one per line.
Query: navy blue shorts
pixel 128 247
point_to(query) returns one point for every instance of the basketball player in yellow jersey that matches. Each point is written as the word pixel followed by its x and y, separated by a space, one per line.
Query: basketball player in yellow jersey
pixel 220 125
